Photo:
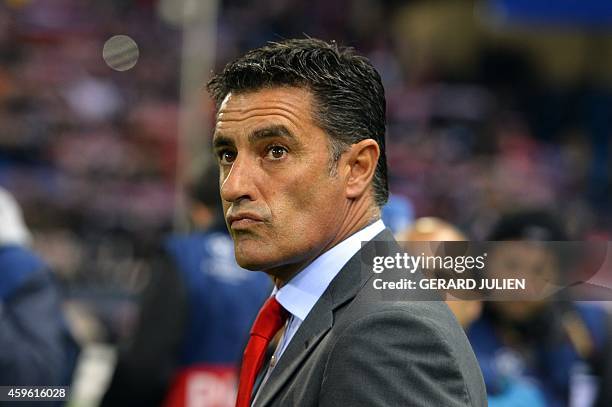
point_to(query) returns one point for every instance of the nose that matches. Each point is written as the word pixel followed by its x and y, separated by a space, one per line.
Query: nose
pixel 238 183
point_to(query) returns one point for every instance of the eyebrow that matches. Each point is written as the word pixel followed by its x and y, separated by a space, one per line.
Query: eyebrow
pixel 260 134
pixel 222 141
pixel 271 132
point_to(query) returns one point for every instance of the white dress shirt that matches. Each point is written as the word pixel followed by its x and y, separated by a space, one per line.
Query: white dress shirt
pixel 300 294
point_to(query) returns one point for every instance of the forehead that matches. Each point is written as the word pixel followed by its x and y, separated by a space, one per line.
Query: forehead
pixel 525 251
pixel 287 105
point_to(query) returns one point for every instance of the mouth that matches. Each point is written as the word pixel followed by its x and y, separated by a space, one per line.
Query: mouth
pixel 243 221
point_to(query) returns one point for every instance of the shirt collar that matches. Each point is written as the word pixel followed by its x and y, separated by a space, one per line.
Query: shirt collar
pixel 302 292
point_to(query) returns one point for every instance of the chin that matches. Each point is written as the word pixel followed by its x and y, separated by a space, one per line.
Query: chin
pixel 247 263
pixel 253 257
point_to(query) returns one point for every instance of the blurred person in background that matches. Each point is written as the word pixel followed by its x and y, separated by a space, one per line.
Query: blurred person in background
pixel 195 315
pixel 431 229
pixel 36 346
pixel 561 346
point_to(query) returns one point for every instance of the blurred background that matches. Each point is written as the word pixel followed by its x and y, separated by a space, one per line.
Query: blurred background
pixel 492 105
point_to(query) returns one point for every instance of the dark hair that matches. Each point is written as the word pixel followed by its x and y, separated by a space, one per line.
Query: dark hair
pixel 348 92
pixel 203 188
pixel 537 225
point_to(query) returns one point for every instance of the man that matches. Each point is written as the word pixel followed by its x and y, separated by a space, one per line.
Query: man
pixel 299 138
pixel 36 346
pixel 431 230
pixel 561 346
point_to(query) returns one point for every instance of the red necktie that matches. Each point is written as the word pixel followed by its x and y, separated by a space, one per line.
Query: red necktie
pixel 269 321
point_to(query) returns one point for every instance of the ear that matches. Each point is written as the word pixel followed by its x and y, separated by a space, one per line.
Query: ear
pixel 361 160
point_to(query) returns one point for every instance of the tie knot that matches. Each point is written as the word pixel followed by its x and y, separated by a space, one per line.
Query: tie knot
pixel 270 319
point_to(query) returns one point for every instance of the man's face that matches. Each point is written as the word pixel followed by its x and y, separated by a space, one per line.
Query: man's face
pixel 282 206
pixel 532 262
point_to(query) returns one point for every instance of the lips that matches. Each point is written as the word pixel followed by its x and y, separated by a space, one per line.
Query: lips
pixel 243 220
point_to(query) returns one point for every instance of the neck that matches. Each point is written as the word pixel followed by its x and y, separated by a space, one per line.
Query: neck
pixel 357 216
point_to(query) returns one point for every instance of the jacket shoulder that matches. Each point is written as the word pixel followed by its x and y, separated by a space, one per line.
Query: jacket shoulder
pixel 406 352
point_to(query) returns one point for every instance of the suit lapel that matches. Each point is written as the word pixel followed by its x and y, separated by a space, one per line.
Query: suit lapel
pixel 319 321
pixel 310 332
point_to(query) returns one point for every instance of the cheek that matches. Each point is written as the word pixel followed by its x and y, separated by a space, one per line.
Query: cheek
pixel 305 211
pixel 313 206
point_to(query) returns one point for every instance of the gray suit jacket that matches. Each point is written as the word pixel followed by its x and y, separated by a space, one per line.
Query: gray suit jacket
pixel 365 347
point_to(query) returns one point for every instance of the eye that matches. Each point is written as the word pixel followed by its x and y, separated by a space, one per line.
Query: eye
pixel 276 152
pixel 226 157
